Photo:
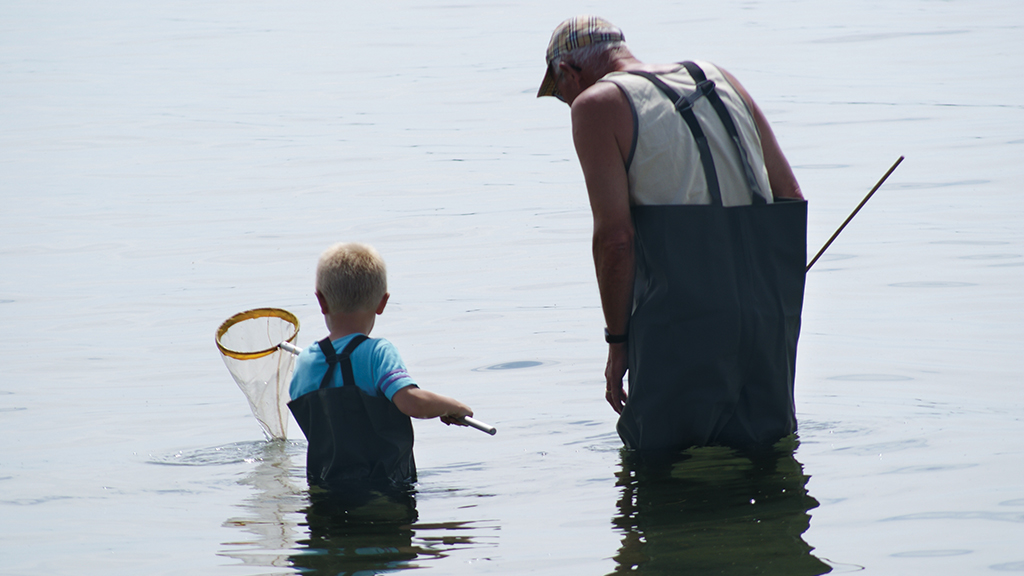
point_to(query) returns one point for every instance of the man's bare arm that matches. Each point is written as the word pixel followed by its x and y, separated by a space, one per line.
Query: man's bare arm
pixel 780 173
pixel 597 127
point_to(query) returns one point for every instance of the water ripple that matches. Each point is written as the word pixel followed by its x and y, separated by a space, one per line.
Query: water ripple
pixel 989 256
pixel 980 515
pixel 35 501
pixel 512 365
pixel 929 185
pixel 884 447
pixel 870 378
pixel 855 38
pixel 932 284
pixel 929 469
pixel 971 242
pixel 931 553
pixel 1008 567
pixel 235 453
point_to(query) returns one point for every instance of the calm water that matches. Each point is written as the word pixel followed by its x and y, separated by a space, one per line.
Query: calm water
pixel 165 165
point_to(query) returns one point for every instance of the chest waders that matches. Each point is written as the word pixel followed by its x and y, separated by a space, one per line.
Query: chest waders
pixel 716 310
pixel 354 438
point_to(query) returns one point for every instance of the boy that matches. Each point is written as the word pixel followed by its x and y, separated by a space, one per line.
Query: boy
pixel 352 395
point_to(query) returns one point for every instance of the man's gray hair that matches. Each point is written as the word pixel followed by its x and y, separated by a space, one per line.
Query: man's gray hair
pixel 590 55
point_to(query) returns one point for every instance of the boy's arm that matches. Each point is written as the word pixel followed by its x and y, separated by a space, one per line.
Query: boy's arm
pixel 418 403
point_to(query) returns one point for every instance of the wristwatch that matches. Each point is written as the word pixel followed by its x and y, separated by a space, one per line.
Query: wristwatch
pixel 614 338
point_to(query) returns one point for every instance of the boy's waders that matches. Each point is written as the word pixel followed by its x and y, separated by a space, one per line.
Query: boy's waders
pixel 354 438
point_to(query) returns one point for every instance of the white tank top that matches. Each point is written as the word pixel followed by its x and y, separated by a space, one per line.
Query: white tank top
pixel 664 166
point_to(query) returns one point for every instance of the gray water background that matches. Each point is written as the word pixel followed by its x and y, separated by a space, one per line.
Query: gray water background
pixel 164 165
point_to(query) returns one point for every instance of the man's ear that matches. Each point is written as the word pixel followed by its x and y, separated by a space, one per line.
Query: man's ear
pixel 570 71
pixel 324 309
pixel 383 303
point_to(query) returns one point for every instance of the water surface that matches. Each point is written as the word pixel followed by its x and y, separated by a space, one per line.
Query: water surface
pixel 166 165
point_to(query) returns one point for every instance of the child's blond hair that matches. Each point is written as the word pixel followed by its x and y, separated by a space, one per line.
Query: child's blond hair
pixel 351 277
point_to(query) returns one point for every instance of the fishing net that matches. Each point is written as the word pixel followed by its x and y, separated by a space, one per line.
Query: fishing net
pixel 256 347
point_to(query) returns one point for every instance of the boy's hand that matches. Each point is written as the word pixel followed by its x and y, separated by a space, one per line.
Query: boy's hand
pixel 455 416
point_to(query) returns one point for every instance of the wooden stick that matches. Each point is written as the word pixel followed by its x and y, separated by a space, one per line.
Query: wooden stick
pixel 850 217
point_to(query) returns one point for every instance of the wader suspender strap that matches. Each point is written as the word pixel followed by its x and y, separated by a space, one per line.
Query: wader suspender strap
pixel 347 379
pixel 684 105
pixel 730 128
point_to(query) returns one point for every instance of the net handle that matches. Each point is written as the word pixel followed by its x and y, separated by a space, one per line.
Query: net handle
pixel 481 426
pixel 289 347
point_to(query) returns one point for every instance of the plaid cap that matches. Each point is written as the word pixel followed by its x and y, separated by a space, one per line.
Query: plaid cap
pixel 573 34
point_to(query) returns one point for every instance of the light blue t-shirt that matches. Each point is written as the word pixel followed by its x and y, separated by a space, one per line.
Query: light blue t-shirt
pixel 376 367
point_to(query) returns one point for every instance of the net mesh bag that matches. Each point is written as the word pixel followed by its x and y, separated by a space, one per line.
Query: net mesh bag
pixel 250 343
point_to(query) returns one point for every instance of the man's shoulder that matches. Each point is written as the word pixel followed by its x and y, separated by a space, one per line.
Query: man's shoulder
pixel 601 93
pixel 601 101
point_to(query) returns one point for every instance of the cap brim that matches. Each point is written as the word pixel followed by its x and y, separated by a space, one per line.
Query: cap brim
pixel 547 87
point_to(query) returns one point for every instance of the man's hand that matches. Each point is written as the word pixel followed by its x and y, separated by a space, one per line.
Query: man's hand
pixel 614 393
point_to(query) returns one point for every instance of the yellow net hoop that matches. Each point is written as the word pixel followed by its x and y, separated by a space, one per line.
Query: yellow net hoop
pixel 251 315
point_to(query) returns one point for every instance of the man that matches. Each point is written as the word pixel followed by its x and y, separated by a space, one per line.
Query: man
pixel 708 338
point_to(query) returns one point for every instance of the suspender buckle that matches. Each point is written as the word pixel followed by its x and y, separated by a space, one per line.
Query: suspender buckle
pixel 683 104
pixel 704 88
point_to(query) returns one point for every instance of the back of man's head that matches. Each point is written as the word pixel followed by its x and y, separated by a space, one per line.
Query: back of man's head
pixel 351 277
pixel 580 40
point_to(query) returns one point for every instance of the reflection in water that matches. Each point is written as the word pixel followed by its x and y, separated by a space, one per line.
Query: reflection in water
pixel 714 511
pixel 372 533
pixel 273 508
pixel 359 531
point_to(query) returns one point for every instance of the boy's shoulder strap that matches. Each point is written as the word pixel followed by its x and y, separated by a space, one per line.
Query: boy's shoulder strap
pixel 327 347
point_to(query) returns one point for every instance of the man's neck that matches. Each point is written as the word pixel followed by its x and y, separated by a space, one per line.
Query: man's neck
pixel 616 63
pixel 624 63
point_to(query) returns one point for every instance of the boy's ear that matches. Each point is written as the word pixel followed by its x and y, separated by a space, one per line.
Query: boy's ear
pixel 324 309
pixel 383 303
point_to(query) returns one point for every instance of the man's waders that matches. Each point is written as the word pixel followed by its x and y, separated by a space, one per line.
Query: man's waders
pixel 716 312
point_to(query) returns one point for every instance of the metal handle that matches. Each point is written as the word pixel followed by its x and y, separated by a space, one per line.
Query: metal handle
pixel 289 347
pixel 479 425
